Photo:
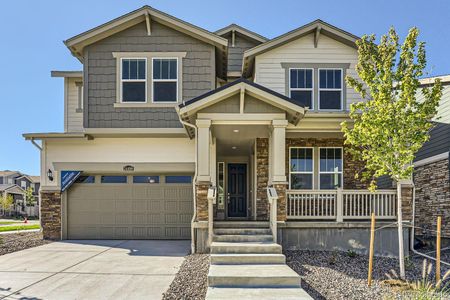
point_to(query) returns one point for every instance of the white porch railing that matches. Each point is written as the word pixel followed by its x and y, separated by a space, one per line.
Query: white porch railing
pixel 340 205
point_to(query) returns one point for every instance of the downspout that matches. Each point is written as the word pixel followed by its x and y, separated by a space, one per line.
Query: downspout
pixel 194 216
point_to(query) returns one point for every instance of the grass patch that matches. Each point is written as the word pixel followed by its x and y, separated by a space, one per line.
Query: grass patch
pixel 19 227
pixel 8 222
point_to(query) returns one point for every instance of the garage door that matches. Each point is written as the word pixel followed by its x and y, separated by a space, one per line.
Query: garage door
pixel 130 207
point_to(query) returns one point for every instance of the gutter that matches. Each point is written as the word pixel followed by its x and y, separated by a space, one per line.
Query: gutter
pixel 194 216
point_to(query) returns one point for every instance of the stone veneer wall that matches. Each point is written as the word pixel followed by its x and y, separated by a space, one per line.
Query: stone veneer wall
pixel 432 197
pixel 262 178
pixel 51 215
pixel 281 202
pixel 201 189
pixel 351 166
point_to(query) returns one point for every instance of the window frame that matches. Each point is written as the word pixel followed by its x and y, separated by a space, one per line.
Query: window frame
pixel 319 172
pixel 303 89
pixel 302 172
pixel 319 89
pixel 164 80
pixel 133 80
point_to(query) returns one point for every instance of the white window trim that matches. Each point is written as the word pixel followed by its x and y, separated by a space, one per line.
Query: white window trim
pixel 325 89
pixel 132 80
pixel 303 89
pixel 302 172
pixel 326 172
pixel 165 80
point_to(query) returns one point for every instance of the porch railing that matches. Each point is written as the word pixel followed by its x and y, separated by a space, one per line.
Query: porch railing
pixel 340 205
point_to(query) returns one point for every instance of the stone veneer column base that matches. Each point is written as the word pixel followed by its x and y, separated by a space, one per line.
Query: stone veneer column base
pixel 51 215
pixel 262 179
pixel 201 190
pixel 281 203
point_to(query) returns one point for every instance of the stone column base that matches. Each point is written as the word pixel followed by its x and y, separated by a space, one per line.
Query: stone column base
pixel 51 215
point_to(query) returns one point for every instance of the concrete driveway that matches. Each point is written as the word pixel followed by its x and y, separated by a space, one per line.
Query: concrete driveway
pixel 92 270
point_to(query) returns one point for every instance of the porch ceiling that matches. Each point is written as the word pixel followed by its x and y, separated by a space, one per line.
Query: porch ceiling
pixel 237 140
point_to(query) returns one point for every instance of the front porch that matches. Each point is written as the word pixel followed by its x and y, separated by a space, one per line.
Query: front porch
pixel 249 140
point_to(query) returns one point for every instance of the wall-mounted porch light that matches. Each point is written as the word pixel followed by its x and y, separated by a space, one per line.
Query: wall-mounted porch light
pixel 50 175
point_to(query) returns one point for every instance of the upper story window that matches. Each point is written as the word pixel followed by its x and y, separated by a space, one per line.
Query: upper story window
pixel 301 86
pixel 330 172
pixel 301 169
pixel 134 80
pixel 165 80
pixel 330 89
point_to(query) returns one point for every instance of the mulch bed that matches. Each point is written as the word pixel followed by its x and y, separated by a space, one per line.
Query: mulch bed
pixel 13 242
pixel 341 275
pixel 191 280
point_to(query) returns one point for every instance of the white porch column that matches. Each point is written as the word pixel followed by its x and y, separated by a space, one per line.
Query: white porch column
pixel 203 150
pixel 278 146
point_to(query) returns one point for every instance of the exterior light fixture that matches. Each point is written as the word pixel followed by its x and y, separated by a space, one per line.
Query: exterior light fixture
pixel 234 147
pixel 235 130
pixel 50 175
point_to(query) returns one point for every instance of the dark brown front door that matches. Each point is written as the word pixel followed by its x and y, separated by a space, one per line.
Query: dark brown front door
pixel 237 190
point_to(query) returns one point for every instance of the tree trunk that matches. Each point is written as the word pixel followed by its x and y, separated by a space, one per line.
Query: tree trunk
pixel 401 253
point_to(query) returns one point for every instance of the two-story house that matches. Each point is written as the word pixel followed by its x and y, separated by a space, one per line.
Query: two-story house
pixel 15 183
pixel 163 110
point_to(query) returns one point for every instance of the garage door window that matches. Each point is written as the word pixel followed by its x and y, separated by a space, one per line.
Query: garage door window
pixel 145 179
pixel 85 179
pixel 114 179
pixel 178 179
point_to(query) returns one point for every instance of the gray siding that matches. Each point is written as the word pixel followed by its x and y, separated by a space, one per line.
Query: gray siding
pixel 100 67
pixel 236 53
pixel 384 182
pixel 439 142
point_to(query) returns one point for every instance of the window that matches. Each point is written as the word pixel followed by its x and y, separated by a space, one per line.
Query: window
pixel 301 168
pixel 330 89
pixel 134 80
pixel 301 86
pixel 114 179
pixel 178 179
pixel 85 179
pixel 330 173
pixel 145 179
pixel 165 80
pixel 220 185
pixel 23 184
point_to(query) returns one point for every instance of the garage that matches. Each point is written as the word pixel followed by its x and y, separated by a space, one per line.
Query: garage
pixel 130 207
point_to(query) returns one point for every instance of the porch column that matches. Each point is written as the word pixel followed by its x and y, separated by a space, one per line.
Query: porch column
pixel 278 164
pixel 203 150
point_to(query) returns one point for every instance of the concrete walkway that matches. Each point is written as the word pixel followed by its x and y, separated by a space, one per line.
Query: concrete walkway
pixel 92 270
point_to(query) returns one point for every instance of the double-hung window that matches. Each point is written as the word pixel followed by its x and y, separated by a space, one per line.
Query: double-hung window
pixel 134 80
pixel 301 168
pixel 301 86
pixel 330 172
pixel 330 89
pixel 165 80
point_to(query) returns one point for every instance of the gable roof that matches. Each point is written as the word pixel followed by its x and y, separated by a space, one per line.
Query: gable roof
pixel 77 43
pixel 318 27
pixel 12 188
pixel 248 33
pixel 8 173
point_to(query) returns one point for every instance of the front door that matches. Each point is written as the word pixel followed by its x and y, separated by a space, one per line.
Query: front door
pixel 237 190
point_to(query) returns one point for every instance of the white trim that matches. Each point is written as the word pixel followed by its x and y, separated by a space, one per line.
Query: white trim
pixel 327 89
pixel 326 172
pixel 303 89
pixel 153 80
pixel 302 172
pixel 132 80
pixel 431 159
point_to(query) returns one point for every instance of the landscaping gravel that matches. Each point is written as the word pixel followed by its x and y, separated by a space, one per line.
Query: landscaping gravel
pixel 12 242
pixel 342 275
pixel 191 280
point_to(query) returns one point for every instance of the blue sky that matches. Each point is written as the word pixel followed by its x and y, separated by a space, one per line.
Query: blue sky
pixel 32 33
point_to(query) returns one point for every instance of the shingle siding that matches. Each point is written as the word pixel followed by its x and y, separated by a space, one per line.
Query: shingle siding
pixel 198 75
pixel 236 53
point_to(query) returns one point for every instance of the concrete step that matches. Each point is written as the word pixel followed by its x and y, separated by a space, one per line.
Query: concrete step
pixel 245 247
pixel 214 293
pixel 241 224
pixel 242 231
pixel 269 276
pixel 243 238
pixel 247 259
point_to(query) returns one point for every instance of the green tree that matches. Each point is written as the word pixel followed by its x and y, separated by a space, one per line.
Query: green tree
pixel 30 200
pixel 391 125
pixel 6 201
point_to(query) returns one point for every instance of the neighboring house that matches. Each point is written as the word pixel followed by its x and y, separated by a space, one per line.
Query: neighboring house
pixel 16 184
pixel 163 109
pixel 432 169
